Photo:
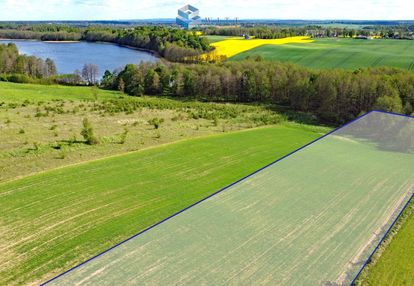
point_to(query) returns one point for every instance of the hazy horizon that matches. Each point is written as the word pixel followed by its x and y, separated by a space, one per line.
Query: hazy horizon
pixel 239 19
pixel 121 10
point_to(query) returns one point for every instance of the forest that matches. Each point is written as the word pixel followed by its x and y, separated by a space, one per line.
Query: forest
pixel 334 96
pixel 20 68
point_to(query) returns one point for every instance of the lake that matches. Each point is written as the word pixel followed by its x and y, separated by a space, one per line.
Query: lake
pixel 71 56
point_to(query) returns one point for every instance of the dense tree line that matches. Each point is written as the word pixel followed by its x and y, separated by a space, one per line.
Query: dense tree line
pixel 40 32
pixel 42 36
pixel 166 40
pixel 172 43
pixel 16 67
pixel 262 32
pixel 335 96
pixel 316 31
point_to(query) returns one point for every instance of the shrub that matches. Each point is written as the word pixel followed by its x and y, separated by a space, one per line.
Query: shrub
pixel 62 154
pixel 215 121
pixel 87 133
pixel 36 146
pixel 156 122
pixel 72 140
pixel 19 78
pixel 124 136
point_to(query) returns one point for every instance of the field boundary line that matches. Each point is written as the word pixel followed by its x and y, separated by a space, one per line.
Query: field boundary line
pixel 224 189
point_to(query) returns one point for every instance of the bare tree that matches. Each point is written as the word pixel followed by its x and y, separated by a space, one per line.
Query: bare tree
pixel 90 73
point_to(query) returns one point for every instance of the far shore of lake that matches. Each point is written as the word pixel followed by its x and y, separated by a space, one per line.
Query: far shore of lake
pixel 37 40
pixel 61 42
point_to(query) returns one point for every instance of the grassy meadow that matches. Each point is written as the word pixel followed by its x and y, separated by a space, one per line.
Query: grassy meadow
pixel 40 125
pixel 338 53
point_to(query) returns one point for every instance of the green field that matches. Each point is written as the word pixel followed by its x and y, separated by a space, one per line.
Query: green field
pixel 40 125
pixel 56 219
pixel 340 53
pixel 311 219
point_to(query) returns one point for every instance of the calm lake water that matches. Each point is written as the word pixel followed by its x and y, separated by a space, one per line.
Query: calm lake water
pixel 71 56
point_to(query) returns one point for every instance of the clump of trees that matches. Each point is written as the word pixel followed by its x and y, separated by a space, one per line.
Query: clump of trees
pixel 20 68
pixel 334 96
pixel 90 73
pixel 87 76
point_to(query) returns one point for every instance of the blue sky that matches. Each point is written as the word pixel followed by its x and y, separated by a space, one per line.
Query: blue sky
pixel 145 9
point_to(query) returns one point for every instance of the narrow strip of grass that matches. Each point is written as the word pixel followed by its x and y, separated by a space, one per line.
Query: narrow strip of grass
pixel 393 263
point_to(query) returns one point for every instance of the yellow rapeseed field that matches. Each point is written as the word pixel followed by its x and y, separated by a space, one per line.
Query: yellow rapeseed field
pixel 234 46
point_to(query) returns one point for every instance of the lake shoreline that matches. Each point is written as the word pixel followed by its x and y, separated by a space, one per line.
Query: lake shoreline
pixel 58 42
pixel 70 56
pixel 154 53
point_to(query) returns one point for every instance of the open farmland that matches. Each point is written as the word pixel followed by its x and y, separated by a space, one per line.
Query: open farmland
pixel 53 220
pixel 310 219
pixel 338 53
